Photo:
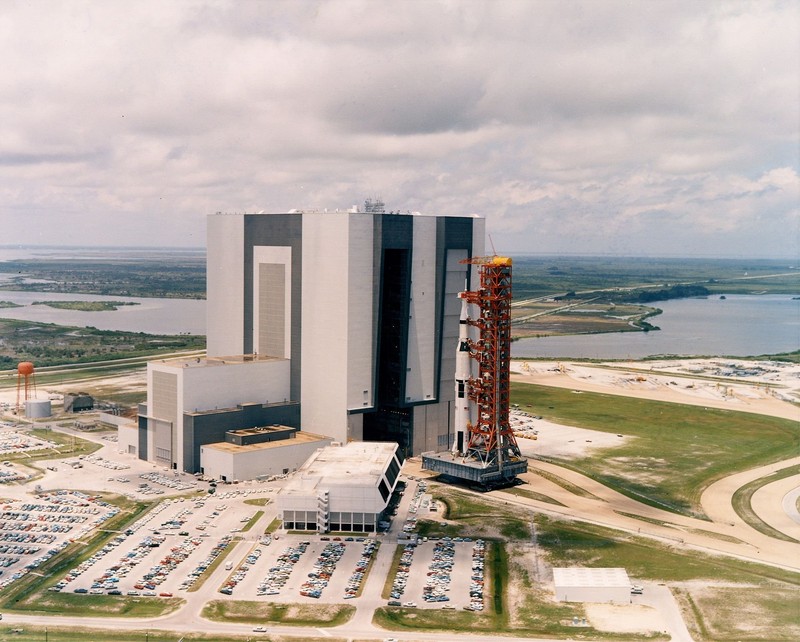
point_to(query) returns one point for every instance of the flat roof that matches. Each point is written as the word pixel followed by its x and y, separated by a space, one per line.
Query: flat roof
pixel 359 462
pixel 260 430
pixel 300 438
pixel 206 362
pixel 591 577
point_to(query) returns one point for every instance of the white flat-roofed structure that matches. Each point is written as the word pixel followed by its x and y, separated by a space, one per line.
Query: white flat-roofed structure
pixel 179 386
pixel 341 488
pixel 228 462
pixel 581 584
pixel 128 438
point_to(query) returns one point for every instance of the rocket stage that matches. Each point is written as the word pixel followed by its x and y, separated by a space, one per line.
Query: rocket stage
pixel 460 467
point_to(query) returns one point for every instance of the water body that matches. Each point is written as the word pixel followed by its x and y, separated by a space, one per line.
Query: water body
pixel 739 325
pixel 151 315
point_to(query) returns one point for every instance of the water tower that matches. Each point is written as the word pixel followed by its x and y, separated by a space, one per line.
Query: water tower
pixel 25 373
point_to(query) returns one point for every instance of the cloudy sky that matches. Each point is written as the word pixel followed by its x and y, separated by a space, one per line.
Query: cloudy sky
pixel 631 127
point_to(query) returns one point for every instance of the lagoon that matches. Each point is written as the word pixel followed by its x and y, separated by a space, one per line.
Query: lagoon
pixel 739 325
pixel 150 315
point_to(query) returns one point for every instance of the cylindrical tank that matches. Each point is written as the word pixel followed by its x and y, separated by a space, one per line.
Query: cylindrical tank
pixel 38 408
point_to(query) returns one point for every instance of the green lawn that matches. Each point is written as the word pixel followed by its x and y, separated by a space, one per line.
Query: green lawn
pixel 246 612
pixel 742 499
pixel 576 544
pixel 729 614
pixel 676 450
pixel 24 633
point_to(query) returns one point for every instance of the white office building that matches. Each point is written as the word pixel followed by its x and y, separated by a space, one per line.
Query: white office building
pixel 341 488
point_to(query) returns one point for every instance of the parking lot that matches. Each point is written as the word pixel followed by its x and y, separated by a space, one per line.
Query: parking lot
pixel 168 549
pixel 440 574
pixel 32 531
pixel 13 441
pixel 161 552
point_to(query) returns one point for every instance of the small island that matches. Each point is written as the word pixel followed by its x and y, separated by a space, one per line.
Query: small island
pixel 9 304
pixel 86 306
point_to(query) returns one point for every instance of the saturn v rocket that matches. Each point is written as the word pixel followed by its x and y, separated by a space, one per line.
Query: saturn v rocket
pixel 484 449
pixel 463 376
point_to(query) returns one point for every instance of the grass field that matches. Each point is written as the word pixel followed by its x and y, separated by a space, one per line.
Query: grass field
pixel 743 496
pixel 728 614
pixel 23 633
pixel 676 450
pixel 246 612
pixel 771 592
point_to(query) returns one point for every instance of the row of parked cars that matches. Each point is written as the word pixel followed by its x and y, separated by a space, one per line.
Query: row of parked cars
pixel 438 580
pixel 354 583
pixel 106 463
pixel 194 575
pixel 170 482
pixel 477 579
pixel 322 570
pixel 403 570
pixel 230 584
pixel 278 575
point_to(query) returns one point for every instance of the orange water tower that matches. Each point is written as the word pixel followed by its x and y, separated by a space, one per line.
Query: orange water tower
pixel 25 374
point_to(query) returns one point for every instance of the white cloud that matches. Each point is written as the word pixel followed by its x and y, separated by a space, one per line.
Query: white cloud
pixel 573 126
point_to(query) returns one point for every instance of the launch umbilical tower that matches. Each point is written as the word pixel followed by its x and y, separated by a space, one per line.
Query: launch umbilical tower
pixel 484 448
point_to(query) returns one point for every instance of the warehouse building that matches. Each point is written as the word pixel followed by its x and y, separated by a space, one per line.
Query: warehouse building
pixel 580 584
pixel 341 488
pixel 257 453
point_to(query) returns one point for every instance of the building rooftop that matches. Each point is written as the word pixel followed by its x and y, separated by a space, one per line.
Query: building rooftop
pixel 591 577
pixel 299 438
pixel 201 362
pixel 359 462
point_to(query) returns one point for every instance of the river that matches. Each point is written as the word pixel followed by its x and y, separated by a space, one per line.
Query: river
pixel 153 316
pixel 739 325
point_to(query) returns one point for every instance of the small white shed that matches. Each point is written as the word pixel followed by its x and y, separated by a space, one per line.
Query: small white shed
pixel 580 584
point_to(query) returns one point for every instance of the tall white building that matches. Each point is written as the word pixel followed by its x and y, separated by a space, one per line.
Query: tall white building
pixel 360 310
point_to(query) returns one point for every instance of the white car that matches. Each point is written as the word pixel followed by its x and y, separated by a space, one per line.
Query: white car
pixel 637 590
pixel 259 629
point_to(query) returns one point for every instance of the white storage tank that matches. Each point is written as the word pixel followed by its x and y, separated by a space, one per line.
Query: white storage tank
pixel 38 408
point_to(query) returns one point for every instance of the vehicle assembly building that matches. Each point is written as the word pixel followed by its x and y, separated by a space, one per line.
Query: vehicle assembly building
pixel 485 450
pixel 338 323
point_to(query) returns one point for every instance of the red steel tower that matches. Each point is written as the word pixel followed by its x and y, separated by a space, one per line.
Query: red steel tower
pixel 490 455
pixel 491 440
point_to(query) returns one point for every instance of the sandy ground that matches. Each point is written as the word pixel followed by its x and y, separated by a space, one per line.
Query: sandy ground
pixel 748 386
pixel 624 618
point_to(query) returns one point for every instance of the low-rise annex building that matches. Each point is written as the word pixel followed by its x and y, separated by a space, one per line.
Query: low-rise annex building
pixel 580 584
pixel 341 488
pixel 256 453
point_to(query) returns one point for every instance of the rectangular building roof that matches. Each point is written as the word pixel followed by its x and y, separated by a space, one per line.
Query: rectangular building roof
pixel 591 577
pixel 300 438
pixel 201 362
pixel 359 463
